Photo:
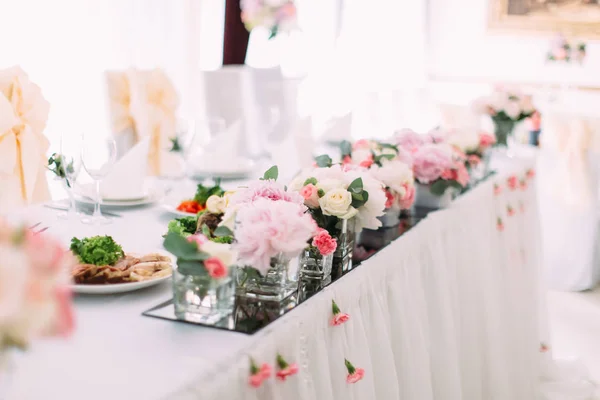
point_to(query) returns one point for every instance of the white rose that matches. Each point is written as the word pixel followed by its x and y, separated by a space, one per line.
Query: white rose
pixel 222 251
pixel 512 109
pixel 338 202
pixel 215 204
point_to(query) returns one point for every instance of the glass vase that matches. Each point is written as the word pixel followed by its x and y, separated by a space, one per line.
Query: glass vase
pixel 504 131
pixel 200 298
pixel 345 234
pixel 275 285
pixel 424 198
pixel 314 265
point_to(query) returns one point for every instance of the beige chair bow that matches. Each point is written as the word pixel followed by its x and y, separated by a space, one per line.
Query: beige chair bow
pixel 144 102
pixel 23 116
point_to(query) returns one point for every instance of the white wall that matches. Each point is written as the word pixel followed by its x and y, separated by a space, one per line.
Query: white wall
pixel 460 46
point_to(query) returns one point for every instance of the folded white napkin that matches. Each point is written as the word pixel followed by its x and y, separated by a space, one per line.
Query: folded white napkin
pixel 221 153
pixel 126 180
pixel 338 129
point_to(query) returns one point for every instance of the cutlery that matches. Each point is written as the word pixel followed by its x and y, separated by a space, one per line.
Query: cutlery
pixel 34 225
pixel 40 231
pixel 83 209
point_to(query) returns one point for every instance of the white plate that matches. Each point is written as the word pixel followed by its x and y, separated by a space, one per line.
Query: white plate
pixel 111 288
pixel 173 210
pixel 154 195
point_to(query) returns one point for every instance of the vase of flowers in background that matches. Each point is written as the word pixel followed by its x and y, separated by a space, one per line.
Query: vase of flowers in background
pixel 388 164
pixel 473 146
pixel 506 107
pixel 35 297
pixel 563 53
pixel 203 282
pixel 317 259
pixel 440 175
pixel 342 200
pixel 271 229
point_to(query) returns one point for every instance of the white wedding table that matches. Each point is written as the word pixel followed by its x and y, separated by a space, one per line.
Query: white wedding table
pixel 450 310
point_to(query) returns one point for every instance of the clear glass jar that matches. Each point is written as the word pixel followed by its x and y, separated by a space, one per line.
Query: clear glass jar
pixel 200 298
pixel 345 234
pixel 314 265
pixel 276 285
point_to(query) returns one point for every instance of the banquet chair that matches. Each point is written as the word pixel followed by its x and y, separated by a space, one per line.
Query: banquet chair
pixel 568 173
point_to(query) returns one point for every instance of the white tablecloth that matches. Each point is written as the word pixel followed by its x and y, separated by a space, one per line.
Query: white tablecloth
pixel 448 311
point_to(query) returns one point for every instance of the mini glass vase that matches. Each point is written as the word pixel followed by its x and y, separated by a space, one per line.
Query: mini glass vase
pixel 504 131
pixel 200 298
pixel 424 197
pixel 345 234
pixel 275 285
pixel 314 265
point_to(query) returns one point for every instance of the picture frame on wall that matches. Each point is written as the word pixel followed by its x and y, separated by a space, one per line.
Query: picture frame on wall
pixel 571 17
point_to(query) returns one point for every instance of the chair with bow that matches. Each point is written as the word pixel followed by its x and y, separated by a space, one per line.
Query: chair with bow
pixel 23 161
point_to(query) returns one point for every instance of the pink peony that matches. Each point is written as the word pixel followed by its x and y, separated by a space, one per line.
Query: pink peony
pixel 198 238
pixel 324 242
pixel 268 228
pixel 358 374
pixel 408 199
pixel 339 319
pixel 215 267
pixel 410 140
pixel 486 140
pixel 430 161
pixel 268 189
pixel 389 202
pixel 310 193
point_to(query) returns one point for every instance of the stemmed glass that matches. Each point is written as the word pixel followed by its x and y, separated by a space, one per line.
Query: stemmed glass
pixel 98 155
pixel 180 146
pixel 69 159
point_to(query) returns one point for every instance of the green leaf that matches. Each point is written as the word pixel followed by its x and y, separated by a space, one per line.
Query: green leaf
pixel 346 148
pixel 389 146
pixel 223 231
pixel 179 246
pixel 359 199
pixel 323 161
pixel 311 180
pixel 439 187
pixel 205 230
pixel 195 268
pixel 274 31
pixel 271 173
pixel 356 186
pixel 175 145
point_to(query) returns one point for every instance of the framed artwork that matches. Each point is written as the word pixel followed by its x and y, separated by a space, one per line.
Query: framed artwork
pixel 571 17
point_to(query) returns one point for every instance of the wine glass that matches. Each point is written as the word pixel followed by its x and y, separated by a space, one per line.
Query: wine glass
pixel 98 155
pixel 180 147
pixel 69 163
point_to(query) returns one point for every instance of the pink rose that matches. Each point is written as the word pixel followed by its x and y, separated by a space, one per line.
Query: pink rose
pixel 358 374
pixel 361 144
pixel 430 161
pixel 215 267
pixel 198 238
pixel 366 163
pixel 325 243
pixel 339 319
pixel 311 195
pixel 347 160
pixel 408 199
pixel 290 370
pixel 486 140
pixel 473 160
pixel 389 202
pixel 267 189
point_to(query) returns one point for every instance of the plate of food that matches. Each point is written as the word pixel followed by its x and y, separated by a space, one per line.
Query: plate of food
pixel 104 268
pixel 205 197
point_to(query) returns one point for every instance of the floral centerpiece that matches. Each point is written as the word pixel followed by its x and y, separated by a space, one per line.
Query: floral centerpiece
pixel 506 108
pixel 385 163
pixel 472 146
pixel 342 200
pixel 271 227
pixel 274 15
pixel 35 298
pixel 563 51
pixel 440 171
pixel 203 284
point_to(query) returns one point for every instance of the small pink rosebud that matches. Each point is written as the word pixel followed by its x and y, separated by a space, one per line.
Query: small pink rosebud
pixel 215 267
pixel 258 375
pixel 338 316
pixel 285 369
pixel 354 374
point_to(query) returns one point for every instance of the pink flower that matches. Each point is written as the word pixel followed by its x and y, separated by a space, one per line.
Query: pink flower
pixel 198 238
pixel 255 380
pixel 267 189
pixel 430 161
pixel 324 242
pixel 462 175
pixel 310 193
pixel 265 371
pixel 361 144
pixel 268 228
pixel 512 182
pixel 544 347
pixel 258 375
pixel 486 140
pixel 500 225
pixel 559 53
pixel 523 184
pixel 497 189
pixel 285 369
pixel 338 316
pixel 530 173
pixel 389 202
pixel 448 174
pixel 510 211
pixel 473 160
pixel 366 163
pixel 354 374
pixel 347 160
pixel 215 267
pixel 408 199
pixel 410 140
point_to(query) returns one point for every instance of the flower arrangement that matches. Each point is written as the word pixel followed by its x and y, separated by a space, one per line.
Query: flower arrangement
pixel 341 193
pixel 35 299
pixel 440 167
pixel 274 15
pixel 410 140
pixel 562 50
pixel 506 107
